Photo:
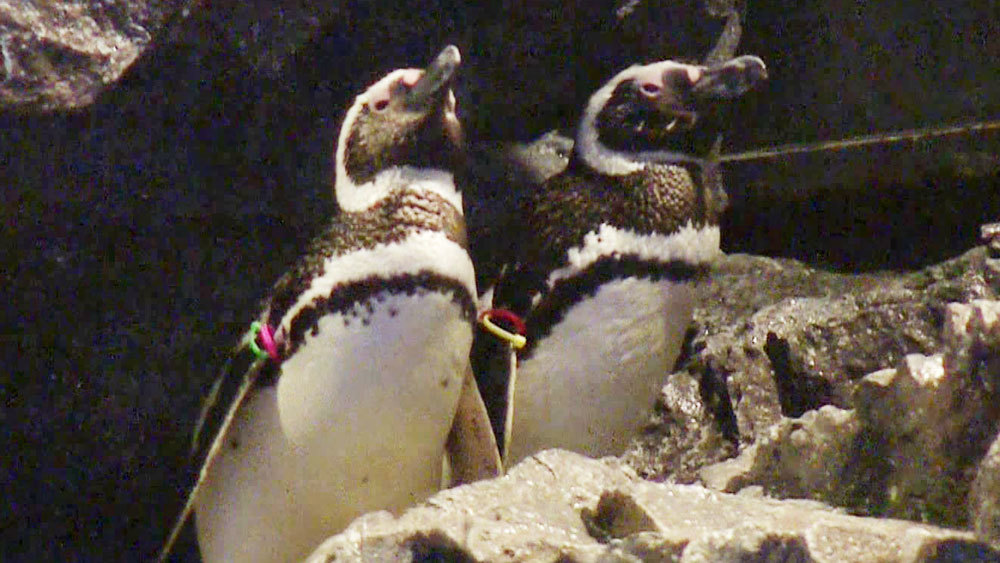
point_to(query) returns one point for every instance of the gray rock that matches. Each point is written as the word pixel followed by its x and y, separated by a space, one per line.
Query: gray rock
pixel 984 500
pixel 975 335
pixel 62 54
pixel 685 436
pixel 933 417
pixel 560 506
pixel 813 456
pixel 779 338
pixel 794 356
pixel 774 339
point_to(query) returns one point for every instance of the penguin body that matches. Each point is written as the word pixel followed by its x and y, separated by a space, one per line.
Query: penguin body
pixel 603 272
pixel 310 454
pixel 373 327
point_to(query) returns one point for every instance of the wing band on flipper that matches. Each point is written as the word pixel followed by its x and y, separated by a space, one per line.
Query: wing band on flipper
pixel 514 341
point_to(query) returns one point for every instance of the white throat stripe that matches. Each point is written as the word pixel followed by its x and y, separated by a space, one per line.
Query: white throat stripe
pixel 428 250
pixel 353 198
pixel 690 244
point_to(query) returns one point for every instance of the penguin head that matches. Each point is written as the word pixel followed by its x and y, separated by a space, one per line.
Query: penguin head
pixel 664 111
pixel 402 129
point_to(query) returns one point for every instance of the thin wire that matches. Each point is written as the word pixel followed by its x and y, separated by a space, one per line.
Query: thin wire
pixel 851 142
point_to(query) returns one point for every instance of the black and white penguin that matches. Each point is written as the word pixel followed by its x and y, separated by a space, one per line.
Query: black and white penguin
pixel 606 252
pixel 366 386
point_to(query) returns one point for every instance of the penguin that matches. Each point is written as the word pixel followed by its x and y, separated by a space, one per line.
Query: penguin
pixel 604 256
pixel 354 386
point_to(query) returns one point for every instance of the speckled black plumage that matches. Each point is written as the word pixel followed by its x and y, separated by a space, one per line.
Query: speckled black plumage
pixel 644 174
pixel 355 299
pixel 399 215
pixel 399 147
pixel 658 200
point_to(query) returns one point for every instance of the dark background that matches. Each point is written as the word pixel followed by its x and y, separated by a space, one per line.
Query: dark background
pixel 141 231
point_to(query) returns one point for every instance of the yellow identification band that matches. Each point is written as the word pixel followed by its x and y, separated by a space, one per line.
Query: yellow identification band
pixel 515 340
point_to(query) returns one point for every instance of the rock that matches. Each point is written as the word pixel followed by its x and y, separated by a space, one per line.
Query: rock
pixel 62 54
pixel 814 456
pixel 828 331
pixel 795 365
pixel 984 499
pixel 975 337
pixel 934 416
pixel 779 338
pixel 560 506
pixel 685 437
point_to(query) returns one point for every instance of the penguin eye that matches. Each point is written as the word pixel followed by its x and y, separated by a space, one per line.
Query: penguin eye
pixel 381 105
pixel 649 88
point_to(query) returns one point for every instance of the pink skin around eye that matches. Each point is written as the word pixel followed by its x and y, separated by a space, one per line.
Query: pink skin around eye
pixel 650 78
pixel 381 94
pixel 411 76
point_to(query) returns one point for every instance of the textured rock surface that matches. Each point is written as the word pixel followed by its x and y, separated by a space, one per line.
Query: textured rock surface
pixel 62 54
pixel 779 339
pixel 559 506
pixel 881 397
pixel 984 502
pixel 686 436
pixel 932 419
pixel 813 456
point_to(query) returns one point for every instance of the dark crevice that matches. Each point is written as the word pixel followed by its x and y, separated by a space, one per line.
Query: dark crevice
pixel 715 397
pixel 797 392
pixel 490 364
pixel 436 547
pixel 616 516
pixel 687 348
pixel 788 549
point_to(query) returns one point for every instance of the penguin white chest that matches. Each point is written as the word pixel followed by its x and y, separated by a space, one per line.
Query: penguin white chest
pixel 406 351
pixel 356 422
pixel 590 383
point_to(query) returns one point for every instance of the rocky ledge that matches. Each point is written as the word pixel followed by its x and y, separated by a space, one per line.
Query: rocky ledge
pixel 560 506
pixel 815 416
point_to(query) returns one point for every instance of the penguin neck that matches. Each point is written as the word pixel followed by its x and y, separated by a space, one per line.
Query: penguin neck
pixel 595 155
pixel 355 198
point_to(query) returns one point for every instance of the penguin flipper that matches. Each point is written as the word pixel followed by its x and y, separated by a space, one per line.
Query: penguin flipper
pixel 491 365
pixel 471 448
pixel 222 393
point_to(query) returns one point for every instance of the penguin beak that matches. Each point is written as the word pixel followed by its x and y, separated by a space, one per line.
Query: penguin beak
pixel 730 79
pixel 433 84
